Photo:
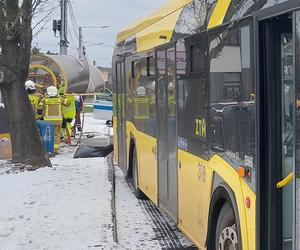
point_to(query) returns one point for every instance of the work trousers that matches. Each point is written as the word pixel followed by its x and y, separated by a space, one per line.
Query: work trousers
pixel 67 127
pixel 56 138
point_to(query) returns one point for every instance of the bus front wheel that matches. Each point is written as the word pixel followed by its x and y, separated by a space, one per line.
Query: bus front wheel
pixel 226 230
pixel 138 193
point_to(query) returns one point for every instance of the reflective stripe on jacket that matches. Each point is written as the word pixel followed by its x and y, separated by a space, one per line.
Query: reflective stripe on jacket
pixel 52 107
pixel 35 100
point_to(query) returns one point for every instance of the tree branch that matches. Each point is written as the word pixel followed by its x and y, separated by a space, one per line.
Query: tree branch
pixel 45 19
pixel 3 33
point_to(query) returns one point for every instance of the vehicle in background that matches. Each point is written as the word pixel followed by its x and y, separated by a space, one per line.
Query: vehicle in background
pixel 103 106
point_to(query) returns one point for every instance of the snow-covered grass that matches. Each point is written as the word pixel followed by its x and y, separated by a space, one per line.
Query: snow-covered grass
pixel 64 207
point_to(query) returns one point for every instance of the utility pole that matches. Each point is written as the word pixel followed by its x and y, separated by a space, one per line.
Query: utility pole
pixel 81 47
pixel 64 27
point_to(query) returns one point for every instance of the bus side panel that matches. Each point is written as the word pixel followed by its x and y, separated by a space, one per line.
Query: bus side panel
pixel 238 186
pixel 194 191
pixel 147 161
pixel 115 123
pixel 250 215
pixel 195 178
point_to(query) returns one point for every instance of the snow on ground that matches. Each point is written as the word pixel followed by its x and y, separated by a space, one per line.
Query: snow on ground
pixel 142 225
pixel 91 125
pixel 5 167
pixel 64 207
pixel 134 228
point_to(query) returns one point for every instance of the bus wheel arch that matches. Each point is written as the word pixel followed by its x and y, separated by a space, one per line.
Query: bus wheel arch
pixel 130 156
pixel 223 200
pixel 132 173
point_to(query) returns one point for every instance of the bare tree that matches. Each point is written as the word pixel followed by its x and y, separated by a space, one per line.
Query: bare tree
pixel 15 47
pixel 198 15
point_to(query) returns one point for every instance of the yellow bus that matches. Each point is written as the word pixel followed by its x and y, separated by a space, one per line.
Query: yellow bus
pixel 207 118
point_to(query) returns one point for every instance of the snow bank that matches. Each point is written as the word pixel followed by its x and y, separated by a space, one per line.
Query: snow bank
pixel 64 207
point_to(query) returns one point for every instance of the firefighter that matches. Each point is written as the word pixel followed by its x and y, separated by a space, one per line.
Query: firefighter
pixel 78 106
pixel 69 113
pixel 51 108
pixel 141 103
pixel 33 96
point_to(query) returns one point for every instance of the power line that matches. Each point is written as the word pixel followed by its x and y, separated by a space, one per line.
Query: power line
pixel 74 25
pixel 72 13
pixel 114 5
pixel 73 20
pixel 97 44
pixel 72 39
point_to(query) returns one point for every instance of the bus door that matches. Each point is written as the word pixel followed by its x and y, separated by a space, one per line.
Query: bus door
pixel 166 130
pixel 121 129
pixel 277 108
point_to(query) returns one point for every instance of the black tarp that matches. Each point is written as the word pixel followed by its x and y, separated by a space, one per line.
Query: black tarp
pixel 92 152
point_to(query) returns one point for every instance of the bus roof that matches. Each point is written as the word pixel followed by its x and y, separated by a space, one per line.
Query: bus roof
pixel 166 10
pixel 158 28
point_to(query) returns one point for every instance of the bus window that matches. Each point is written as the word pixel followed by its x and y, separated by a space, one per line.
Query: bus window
pixel 232 121
pixel 192 95
pixel 197 57
pixel 142 95
pixel 232 85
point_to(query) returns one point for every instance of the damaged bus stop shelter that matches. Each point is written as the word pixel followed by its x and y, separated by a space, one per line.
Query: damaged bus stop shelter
pixel 77 76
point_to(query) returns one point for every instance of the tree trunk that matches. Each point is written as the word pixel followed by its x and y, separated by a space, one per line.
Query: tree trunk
pixel 15 40
pixel 27 145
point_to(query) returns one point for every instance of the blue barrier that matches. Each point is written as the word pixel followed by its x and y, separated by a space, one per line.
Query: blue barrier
pixel 103 107
pixel 47 133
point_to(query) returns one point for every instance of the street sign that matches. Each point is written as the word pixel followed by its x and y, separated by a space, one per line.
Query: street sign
pixel 1 76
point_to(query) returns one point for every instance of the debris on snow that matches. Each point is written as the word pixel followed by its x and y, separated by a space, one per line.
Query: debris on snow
pixel 6 167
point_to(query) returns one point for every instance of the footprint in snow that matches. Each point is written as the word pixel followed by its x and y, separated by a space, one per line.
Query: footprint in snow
pixel 7 232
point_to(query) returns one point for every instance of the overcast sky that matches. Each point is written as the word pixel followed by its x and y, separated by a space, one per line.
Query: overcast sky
pixel 116 14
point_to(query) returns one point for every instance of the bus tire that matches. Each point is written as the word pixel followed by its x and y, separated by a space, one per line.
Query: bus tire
pixel 226 229
pixel 134 180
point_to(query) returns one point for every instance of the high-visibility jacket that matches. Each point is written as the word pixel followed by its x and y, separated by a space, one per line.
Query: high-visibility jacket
pixel 34 100
pixel 171 105
pixel 141 104
pixel 52 108
pixel 152 105
pixel 69 112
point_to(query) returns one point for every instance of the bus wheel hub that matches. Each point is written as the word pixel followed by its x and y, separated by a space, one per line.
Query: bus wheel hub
pixel 228 239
